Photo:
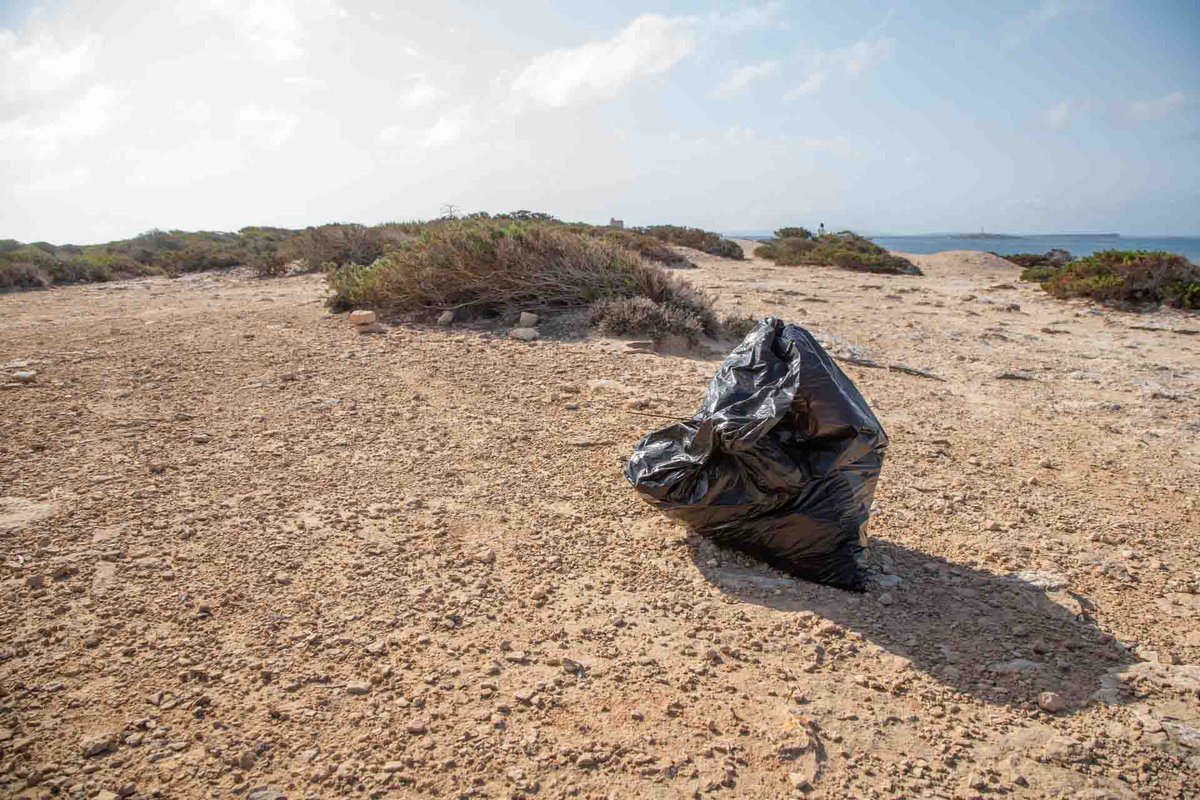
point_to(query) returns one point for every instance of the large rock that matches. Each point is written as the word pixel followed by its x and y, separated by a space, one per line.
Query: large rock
pixel 362 317
pixel 528 320
pixel 524 334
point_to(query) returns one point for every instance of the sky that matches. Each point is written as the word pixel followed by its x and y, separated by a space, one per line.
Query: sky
pixel 1030 116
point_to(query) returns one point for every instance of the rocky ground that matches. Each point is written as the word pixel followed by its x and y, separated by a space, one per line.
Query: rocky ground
pixel 249 551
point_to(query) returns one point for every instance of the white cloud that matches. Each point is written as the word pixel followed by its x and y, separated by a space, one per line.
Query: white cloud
pixel 1038 17
pixel 744 19
pixel 837 146
pixel 649 45
pixel 740 134
pixel 446 129
pixel 1058 115
pixel 31 137
pixel 306 81
pixel 1158 107
pixel 55 183
pixel 193 112
pixel 738 80
pixel 421 93
pixel 42 64
pixel 812 83
pixel 852 61
pixel 863 54
pixel 268 128
pixel 275 30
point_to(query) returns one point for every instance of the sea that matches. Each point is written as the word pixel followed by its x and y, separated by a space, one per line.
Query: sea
pixel 1075 244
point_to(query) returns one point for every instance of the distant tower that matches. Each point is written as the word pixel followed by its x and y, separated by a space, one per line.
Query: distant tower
pixel 821 230
pixel 613 222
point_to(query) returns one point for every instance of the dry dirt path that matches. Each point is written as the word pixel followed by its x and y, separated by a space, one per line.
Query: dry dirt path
pixel 248 551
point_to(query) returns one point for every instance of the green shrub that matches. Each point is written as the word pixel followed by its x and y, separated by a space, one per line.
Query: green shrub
pixel 1125 277
pixel 490 267
pixel 269 264
pixel 844 250
pixel 340 244
pixel 200 257
pixel 695 238
pixel 23 275
pixel 793 233
pixel 1039 273
pixel 648 247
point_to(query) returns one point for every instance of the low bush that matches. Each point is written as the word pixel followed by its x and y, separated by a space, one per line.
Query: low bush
pixel 695 238
pixel 492 267
pixel 1123 277
pixel 270 264
pixel 793 233
pixel 844 250
pixel 648 247
pixel 23 275
pixel 1038 266
pixel 338 245
pixel 641 316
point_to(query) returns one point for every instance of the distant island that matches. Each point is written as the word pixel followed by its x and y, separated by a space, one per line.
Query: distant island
pixel 981 235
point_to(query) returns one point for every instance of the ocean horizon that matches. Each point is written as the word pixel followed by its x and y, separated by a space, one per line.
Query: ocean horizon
pixel 1077 244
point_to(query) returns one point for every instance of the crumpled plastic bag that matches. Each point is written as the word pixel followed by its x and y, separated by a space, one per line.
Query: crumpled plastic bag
pixel 780 462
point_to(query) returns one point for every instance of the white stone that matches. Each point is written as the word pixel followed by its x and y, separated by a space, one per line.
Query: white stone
pixel 362 317
pixel 1051 701
pixel 524 334
pixel 445 318
pixel 528 319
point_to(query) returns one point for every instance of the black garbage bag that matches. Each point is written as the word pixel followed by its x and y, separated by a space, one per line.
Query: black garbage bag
pixel 780 461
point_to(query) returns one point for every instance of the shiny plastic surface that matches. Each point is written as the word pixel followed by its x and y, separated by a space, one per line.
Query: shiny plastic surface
pixel 780 461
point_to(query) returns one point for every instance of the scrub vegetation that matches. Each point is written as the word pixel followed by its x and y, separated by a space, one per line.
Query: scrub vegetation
pixel 1116 277
pixel 796 246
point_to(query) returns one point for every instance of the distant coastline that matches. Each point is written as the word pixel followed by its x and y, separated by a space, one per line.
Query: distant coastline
pixel 1076 244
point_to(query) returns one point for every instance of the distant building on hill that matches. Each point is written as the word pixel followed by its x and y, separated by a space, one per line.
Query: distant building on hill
pixel 613 222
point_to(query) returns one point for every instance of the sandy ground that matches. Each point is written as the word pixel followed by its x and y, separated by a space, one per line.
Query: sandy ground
pixel 251 552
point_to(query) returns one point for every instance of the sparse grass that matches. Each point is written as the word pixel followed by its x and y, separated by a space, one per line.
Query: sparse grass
pixel 487 268
pixel 1123 277
pixel 844 250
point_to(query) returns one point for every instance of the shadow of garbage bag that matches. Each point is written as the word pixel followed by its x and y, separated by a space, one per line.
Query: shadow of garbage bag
pixel 1000 639
pixel 780 461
